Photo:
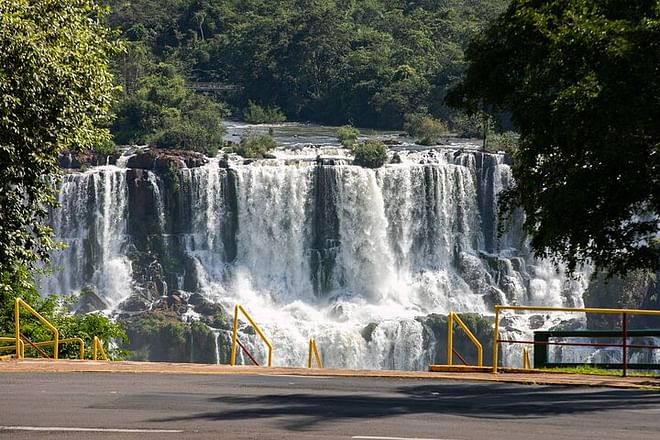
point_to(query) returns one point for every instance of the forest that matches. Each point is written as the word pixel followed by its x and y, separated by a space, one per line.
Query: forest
pixel 367 63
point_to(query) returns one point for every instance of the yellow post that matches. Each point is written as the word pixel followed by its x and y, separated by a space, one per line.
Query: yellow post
pixel 234 337
pixel 313 351
pixel 17 327
pixel 526 364
pixel 450 338
pixel 97 348
pixel 496 335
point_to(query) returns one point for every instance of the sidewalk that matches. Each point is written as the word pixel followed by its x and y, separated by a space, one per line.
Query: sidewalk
pixel 128 367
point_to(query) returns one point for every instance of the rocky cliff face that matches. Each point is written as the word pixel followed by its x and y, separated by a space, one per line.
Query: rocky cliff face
pixel 171 240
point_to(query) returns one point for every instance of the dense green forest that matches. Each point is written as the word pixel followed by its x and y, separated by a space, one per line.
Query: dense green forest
pixel 365 62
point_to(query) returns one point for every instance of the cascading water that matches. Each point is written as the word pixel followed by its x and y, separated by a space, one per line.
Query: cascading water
pixel 92 223
pixel 349 256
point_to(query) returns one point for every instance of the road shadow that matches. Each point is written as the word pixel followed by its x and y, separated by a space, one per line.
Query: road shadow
pixel 494 401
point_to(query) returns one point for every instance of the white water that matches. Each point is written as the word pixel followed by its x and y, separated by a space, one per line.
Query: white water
pixel 409 242
pixel 92 224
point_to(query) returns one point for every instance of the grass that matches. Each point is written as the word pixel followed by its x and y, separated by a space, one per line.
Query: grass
pixel 588 369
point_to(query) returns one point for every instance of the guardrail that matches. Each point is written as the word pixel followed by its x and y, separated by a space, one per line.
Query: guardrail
pixel 624 332
pixel 78 341
pixel 97 348
pixel 450 340
pixel 234 336
pixel 18 303
pixel 21 345
pixel 313 351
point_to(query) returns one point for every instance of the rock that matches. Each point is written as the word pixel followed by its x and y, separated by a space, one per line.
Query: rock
pixel 195 299
pixel 90 300
pixel 368 331
pixel 134 303
pixel 536 321
pixel 493 297
pixel 78 159
pixel 160 159
pixel 570 324
pixel 208 308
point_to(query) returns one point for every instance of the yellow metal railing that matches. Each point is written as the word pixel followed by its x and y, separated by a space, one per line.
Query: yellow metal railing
pixel 623 312
pixel 313 352
pixel 234 337
pixel 97 348
pixel 527 365
pixel 450 339
pixel 21 346
pixel 18 303
pixel 78 341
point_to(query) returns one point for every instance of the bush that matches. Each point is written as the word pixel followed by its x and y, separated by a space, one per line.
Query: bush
pixel 507 141
pixel 370 154
pixel 473 126
pixel 256 114
pixel 108 147
pixel 348 135
pixel 424 128
pixel 255 146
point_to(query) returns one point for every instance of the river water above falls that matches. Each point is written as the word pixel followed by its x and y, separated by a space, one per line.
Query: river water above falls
pixel 364 261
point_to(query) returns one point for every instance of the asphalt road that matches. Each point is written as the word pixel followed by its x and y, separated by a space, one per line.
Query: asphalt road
pixel 182 406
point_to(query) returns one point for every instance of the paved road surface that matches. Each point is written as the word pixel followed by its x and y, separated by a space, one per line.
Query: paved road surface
pixel 163 406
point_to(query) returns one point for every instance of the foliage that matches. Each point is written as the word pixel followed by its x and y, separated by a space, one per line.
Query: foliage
pixel 54 309
pixel 106 147
pixel 347 135
pixel 424 128
pixel 366 61
pixel 162 112
pixel 507 142
pixel 580 80
pixel 55 93
pixel 630 292
pixel 370 154
pixel 256 114
pixel 473 125
pixel 255 146
pixel 86 326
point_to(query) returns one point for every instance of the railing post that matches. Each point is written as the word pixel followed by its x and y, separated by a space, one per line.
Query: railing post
pixel 624 346
pixel 17 326
pixel 496 335
pixel 450 338
pixel 234 336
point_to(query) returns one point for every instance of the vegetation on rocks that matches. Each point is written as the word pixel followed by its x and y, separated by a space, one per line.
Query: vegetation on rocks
pixel 347 135
pixel 370 154
pixel 254 146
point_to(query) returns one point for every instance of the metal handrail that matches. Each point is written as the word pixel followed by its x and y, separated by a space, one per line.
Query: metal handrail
pixel 315 352
pixel 234 338
pixel 97 348
pixel 21 345
pixel 624 323
pixel 450 339
pixel 18 302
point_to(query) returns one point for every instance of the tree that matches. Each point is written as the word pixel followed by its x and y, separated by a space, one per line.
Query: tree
pixel 580 78
pixel 55 91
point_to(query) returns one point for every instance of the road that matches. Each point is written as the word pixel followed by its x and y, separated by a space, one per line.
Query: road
pixel 261 406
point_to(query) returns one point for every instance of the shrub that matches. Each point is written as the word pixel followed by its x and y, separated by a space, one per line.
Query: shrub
pixel 473 126
pixel 507 142
pixel 370 154
pixel 256 114
pixel 255 146
pixel 107 147
pixel 424 128
pixel 348 135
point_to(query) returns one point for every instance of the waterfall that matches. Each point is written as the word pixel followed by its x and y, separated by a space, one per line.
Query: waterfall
pixel 352 257
pixel 91 222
